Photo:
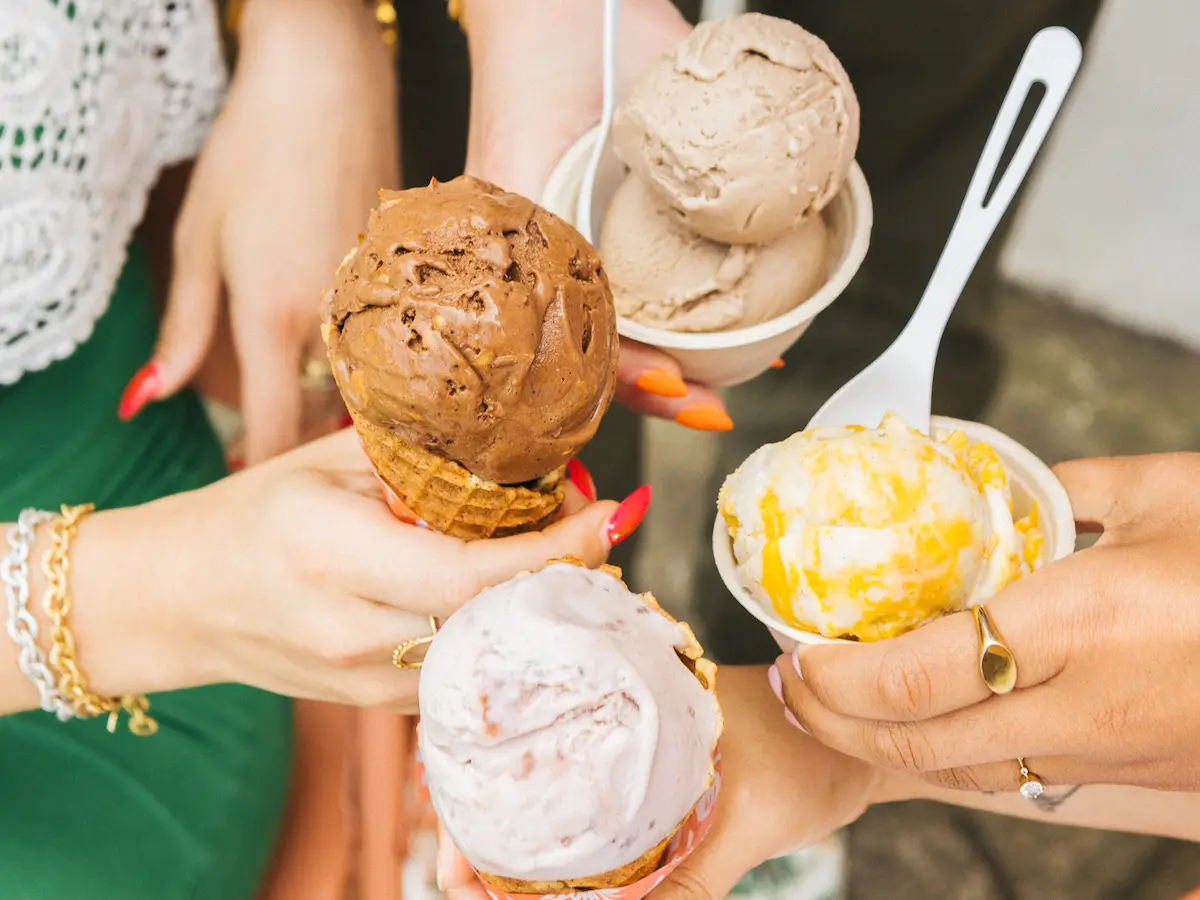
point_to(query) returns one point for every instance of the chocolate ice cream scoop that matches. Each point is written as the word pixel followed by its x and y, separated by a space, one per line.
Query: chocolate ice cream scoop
pixel 474 324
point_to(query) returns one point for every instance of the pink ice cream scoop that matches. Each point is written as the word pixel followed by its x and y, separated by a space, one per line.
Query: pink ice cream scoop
pixel 567 725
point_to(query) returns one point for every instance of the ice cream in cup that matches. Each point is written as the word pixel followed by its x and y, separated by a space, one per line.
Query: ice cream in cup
pixel 473 337
pixel 863 534
pixel 734 210
pixel 569 736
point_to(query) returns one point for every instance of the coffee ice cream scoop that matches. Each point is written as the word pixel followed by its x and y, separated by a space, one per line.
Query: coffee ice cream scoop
pixel 566 728
pixel 473 324
pixel 665 276
pixel 867 533
pixel 744 130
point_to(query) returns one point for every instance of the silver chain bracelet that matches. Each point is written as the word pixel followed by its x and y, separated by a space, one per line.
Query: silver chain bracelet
pixel 22 627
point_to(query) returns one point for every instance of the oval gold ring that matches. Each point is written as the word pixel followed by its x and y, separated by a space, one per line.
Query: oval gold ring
pixel 997 665
pixel 400 656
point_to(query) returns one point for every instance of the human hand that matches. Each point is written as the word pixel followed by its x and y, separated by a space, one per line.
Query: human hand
pixel 284 183
pixel 1105 640
pixel 294 577
pixel 535 88
pixel 779 791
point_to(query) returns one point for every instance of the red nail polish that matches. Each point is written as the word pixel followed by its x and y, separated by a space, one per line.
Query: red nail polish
pixel 628 516
pixel 142 388
pixel 346 421
pixel 582 479
pixel 235 464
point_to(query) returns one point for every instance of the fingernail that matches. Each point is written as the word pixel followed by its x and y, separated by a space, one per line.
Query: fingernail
pixel 346 421
pixel 236 464
pixel 628 516
pixel 661 383
pixel 793 721
pixel 142 388
pixel 796 664
pixel 398 507
pixel 776 682
pixel 704 417
pixel 582 479
pixel 778 364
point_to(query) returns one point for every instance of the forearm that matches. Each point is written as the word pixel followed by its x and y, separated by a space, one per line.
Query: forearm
pixel 536 77
pixel 1107 807
pixel 119 589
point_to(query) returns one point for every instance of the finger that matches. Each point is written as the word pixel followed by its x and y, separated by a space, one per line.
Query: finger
pixel 455 877
pixel 1033 722
pixel 583 536
pixel 713 869
pixel 1104 493
pixel 1056 774
pixel 650 382
pixel 271 392
pixel 935 669
pixel 193 305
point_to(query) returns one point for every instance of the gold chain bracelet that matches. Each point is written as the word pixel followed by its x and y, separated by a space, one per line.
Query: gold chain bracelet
pixel 72 683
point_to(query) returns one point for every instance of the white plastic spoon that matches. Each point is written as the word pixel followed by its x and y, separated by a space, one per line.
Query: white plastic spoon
pixel 591 216
pixel 901 380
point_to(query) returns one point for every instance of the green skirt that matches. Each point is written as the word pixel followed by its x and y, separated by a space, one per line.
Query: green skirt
pixel 192 812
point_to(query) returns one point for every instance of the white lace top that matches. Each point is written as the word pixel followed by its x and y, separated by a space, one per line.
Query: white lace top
pixel 96 97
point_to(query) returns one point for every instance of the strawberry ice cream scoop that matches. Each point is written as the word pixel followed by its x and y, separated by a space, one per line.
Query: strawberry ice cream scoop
pixel 568 725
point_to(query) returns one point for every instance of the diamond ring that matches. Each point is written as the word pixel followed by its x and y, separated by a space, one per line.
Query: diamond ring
pixel 1032 786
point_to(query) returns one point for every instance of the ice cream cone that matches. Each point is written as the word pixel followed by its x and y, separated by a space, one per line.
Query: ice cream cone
pixel 692 655
pixel 617 878
pixel 451 499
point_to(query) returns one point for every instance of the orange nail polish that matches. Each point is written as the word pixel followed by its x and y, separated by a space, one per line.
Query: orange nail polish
pixel 628 516
pixel 142 388
pixel 704 417
pixel 398 507
pixel 661 383
pixel 778 364
pixel 582 479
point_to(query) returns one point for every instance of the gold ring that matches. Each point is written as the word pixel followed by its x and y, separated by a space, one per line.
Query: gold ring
pixel 400 654
pixel 317 375
pixel 1032 785
pixel 996 662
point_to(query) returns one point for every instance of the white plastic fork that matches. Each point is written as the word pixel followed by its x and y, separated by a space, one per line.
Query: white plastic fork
pixel 588 215
pixel 901 380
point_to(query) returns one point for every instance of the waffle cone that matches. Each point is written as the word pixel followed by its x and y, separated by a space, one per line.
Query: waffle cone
pixel 692 656
pixel 452 500
pixel 630 873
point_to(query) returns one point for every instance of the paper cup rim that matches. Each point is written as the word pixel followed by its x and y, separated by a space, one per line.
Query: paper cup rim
pixel 862 218
pixel 1046 485
pixel 691 834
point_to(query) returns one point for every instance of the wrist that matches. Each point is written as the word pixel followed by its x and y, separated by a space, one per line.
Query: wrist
pixel 896 787
pixel 125 609
pixel 334 26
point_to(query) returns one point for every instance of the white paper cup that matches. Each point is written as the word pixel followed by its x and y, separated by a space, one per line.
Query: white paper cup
pixel 1029 478
pixel 724 358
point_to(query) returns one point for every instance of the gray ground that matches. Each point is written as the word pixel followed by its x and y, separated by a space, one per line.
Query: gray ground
pixel 1071 386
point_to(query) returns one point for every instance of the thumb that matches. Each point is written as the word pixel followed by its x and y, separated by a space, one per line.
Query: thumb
pixel 705 875
pixel 587 535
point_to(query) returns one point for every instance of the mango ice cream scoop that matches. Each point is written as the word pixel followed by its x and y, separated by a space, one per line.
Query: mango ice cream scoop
pixel 867 533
